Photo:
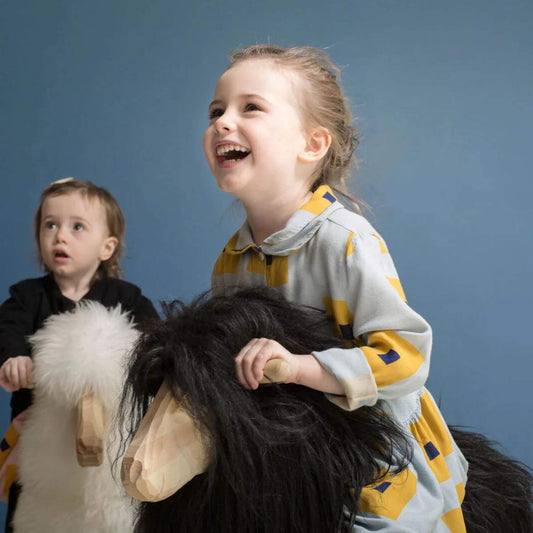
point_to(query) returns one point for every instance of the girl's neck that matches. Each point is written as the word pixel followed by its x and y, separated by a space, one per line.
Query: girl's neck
pixel 270 216
pixel 74 289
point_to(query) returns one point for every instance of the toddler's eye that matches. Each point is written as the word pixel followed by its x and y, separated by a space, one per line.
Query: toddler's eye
pixel 78 227
pixel 50 225
pixel 215 113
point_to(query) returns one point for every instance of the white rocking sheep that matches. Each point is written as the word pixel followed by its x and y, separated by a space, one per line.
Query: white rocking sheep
pixel 78 356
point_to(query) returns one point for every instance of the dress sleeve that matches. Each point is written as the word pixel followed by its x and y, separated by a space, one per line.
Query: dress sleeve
pixel 217 281
pixel 392 343
pixel 16 323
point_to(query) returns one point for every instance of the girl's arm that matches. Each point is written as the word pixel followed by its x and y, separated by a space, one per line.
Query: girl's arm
pixel 129 296
pixel 16 323
pixel 16 369
pixel 392 342
pixel 144 310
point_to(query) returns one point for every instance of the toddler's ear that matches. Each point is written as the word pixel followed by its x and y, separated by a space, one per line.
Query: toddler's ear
pixel 108 248
pixel 316 146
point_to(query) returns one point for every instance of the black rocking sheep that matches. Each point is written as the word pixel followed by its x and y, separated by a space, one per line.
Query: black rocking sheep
pixel 283 458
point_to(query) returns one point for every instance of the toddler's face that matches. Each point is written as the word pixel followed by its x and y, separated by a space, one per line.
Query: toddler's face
pixel 255 134
pixel 74 237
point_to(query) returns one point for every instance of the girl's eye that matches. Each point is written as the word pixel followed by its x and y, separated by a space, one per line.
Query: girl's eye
pixel 215 113
pixel 252 107
pixel 50 225
pixel 78 227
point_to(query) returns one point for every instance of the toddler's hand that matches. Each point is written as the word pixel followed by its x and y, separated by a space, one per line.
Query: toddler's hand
pixel 17 373
pixel 251 360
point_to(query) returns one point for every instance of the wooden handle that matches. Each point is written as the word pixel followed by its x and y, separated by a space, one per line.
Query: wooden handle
pixel 276 371
pixel 90 431
pixel 166 452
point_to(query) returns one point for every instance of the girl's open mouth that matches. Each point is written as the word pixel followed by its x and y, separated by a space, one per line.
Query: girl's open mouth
pixel 58 256
pixel 229 154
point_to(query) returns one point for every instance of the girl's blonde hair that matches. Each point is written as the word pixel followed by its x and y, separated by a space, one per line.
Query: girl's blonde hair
pixel 116 223
pixel 322 104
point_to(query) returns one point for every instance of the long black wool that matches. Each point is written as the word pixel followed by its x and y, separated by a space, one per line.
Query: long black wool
pixel 283 458
pixel 498 497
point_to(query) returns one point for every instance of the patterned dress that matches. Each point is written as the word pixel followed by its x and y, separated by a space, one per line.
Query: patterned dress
pixel 331 258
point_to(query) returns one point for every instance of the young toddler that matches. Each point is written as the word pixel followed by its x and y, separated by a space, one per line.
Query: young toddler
pixel 79 231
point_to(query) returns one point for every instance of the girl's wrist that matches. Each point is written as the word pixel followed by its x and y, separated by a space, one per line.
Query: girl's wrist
pixel 310 373
pixel 304 368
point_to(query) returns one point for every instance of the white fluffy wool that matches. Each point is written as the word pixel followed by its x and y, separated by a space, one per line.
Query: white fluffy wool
pixel 74 353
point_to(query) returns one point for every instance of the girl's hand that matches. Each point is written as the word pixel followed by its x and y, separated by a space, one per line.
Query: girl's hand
pixel 17 373
pixel 251 360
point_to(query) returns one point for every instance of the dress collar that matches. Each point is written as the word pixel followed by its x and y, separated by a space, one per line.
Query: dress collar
pixel 302 225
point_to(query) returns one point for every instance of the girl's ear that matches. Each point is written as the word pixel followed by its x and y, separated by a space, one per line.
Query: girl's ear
pixel 108 248
pixel 316 146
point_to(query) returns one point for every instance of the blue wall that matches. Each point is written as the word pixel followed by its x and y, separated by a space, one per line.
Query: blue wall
pixel 117 92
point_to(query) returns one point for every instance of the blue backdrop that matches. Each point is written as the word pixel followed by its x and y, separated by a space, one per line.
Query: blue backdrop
pixel 117 92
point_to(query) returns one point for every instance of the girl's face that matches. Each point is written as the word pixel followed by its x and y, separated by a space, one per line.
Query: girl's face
pixel 74 237
pixel 255 135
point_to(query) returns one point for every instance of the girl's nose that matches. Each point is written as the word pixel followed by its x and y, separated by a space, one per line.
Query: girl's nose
pixel 61 235
pixel 225 124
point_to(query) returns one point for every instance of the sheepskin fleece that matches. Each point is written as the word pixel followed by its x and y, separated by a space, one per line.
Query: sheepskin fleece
pixel 74 353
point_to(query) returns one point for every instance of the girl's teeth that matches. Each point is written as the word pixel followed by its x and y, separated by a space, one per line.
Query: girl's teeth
pixel 222 150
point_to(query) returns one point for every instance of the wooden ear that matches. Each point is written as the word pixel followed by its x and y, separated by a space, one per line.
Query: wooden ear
pixel 316 146
pixel 90 431
pixel 166 452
